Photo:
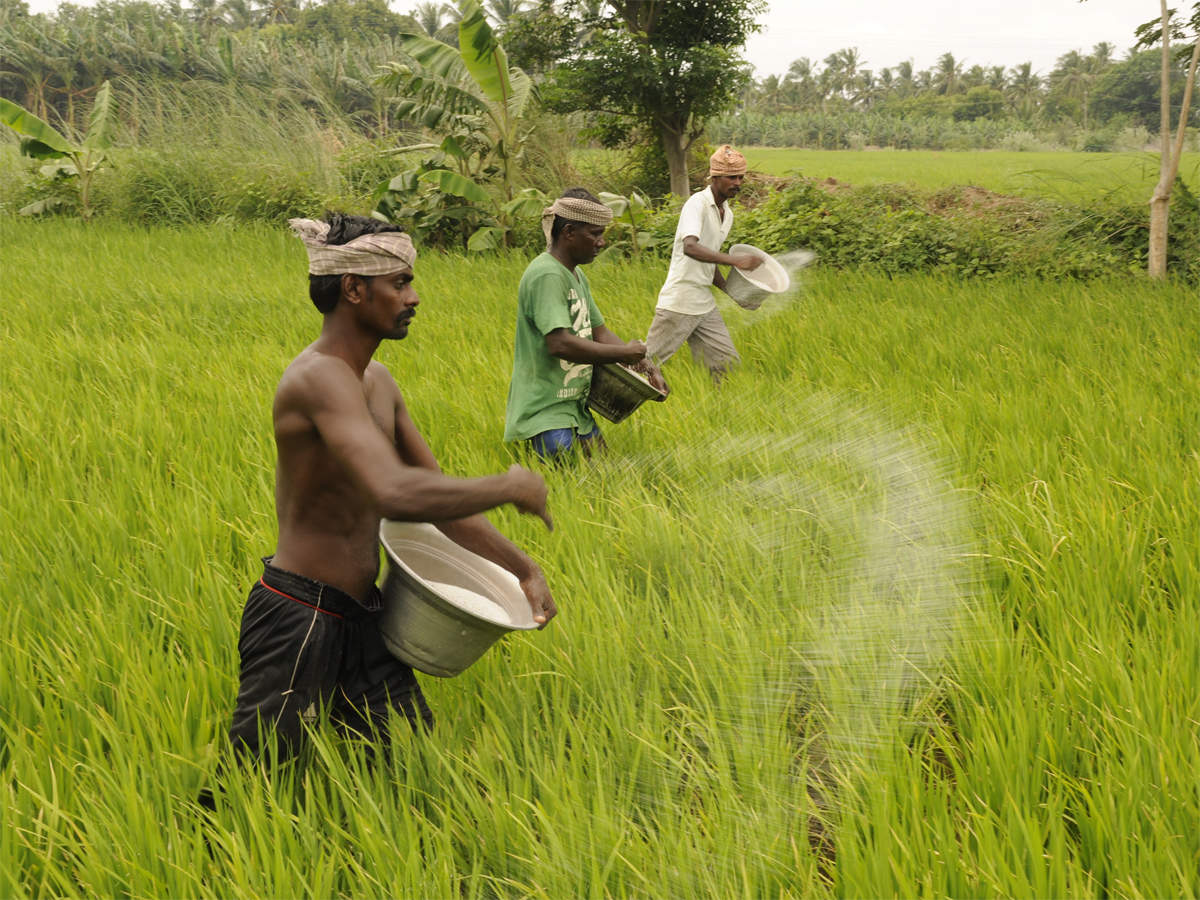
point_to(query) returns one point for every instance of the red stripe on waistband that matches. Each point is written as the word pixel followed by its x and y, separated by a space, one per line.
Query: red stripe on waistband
pixel 327 612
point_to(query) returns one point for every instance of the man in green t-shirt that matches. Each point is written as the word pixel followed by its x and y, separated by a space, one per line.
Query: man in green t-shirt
pixel 561 334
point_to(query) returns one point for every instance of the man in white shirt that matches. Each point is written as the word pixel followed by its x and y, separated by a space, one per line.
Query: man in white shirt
pixel 686 311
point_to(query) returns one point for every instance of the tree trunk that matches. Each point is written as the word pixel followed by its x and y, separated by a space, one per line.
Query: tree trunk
pixel 1168 165
pixel 676 151
pixel 1160 207
pixel 1160 200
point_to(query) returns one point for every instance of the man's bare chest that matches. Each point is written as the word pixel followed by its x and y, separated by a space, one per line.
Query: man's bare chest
pixel 383 412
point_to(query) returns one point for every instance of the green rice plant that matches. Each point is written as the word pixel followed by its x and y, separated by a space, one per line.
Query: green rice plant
pixel 1082 178
pixel 907 606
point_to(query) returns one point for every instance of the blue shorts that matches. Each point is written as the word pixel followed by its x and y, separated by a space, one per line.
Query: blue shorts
pixel 558 441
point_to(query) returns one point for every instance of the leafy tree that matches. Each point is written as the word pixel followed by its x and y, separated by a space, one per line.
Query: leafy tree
pixel 1164 29
pixel 664 65
pixel 348 20
pixel 539 37
pixel 278 12
pixel 1074 76
pixel 1131 88
pixel 800 88
pixel 980 102
pixel 502 12
pixel 948 75
pixel 1024 90
pixel 437 20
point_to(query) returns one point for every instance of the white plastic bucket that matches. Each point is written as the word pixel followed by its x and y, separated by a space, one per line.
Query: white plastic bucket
pixel 429 631
pixel 749 289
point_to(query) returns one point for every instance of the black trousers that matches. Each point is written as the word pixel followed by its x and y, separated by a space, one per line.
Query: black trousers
pixel 305 648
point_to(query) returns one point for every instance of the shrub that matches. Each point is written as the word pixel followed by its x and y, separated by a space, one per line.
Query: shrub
pixel 188 185
pixel 962 231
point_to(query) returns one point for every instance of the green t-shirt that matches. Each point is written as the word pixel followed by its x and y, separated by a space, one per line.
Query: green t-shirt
pixel 547 392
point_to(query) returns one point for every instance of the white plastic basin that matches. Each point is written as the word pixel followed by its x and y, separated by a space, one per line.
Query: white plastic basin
pixel 437 634
pixel 749 289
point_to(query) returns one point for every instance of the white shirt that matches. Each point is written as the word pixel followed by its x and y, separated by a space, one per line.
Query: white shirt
pixel 688 286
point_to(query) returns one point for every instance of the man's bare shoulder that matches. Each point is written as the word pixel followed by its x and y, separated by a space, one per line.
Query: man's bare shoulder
pixel 379 377
pixel 311 377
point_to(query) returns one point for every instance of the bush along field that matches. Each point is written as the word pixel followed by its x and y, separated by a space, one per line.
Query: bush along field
pixel 893 213
pixel 906 607
pixel 962 231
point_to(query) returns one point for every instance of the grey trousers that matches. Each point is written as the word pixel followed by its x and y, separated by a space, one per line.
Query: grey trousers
pixel 706 335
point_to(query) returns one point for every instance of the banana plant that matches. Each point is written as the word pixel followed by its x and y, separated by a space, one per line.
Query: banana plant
pixel 624 235
pixel 470 97
pixel 79 160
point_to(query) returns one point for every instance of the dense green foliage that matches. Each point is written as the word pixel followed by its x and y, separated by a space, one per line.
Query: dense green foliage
pixel 484 109
pixel 969 214
pixel 304 108
pixel 663 68
pixel 1086 102
pixel 668 735
pixel 965 231
pixel 53 63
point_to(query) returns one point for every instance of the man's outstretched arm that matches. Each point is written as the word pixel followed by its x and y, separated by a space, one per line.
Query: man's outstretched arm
pixel 696 250
pixel 476 533
pixel 330 394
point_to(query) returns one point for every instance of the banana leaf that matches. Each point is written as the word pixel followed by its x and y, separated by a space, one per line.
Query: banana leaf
pixel 440 59
pixel 482 54
pixel 100 120
pixel 452 183
pixel 489 237
pixel 43 141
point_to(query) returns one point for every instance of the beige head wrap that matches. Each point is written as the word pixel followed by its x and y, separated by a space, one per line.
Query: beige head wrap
pixel 368 254
pixel 726 161
pixel 577 210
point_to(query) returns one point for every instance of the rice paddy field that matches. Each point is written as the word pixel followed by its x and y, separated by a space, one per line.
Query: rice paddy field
pixel 1068 177
pixel 908 606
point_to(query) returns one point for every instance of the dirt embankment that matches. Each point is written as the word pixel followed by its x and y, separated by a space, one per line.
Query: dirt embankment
pixel 956 200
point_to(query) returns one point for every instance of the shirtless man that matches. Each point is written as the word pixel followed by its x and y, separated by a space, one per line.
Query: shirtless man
pixel 349 455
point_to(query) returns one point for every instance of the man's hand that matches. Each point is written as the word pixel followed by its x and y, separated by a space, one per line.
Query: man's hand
pixel 529 493
pixel 655 377
pixel 747 262
pixel 537 592
pixel 653 374
pixel 636 353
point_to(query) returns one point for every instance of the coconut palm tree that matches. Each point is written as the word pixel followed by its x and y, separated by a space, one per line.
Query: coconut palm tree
pixel 1024 90
pixel 207 14
pixel 947 77
pixel 799 87
pixel 502 12
pixel 239 14
pixel 278 12
pixel 1073 77
pixel 437 20
pixel 841 67
pixel 770 93
pixel 905 85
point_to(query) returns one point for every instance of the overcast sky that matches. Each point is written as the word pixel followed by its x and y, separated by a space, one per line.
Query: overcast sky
pixel 987 32
pixel 991 32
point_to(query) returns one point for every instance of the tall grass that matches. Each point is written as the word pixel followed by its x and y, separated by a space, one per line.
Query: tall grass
pixel 907 606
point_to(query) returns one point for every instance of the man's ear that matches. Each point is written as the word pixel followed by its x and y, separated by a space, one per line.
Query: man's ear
pixel 352 287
